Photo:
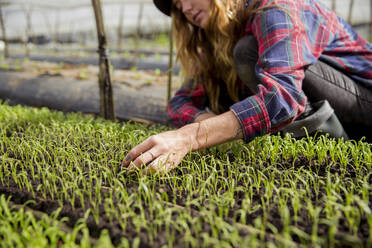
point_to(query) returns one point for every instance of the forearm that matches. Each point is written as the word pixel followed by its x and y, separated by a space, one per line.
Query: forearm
pixel 213 131
pixel 187 105
pixel 166 150
pixel 204 116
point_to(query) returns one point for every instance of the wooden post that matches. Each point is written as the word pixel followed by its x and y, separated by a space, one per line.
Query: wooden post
pixel 6 51
pixel 56 28
pixel 27 12
pixel 334 5
pixel 170 68
pixel 351 7
pixel 370 22
pixel 48 24
pixel 71 33
pixel 84 35
pixel 120 27
pixel 105 87
pixel 139 21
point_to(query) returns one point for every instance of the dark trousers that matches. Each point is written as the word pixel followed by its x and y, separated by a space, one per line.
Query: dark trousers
pixel 351 101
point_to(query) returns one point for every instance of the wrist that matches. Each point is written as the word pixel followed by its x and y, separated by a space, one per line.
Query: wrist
pixel 193 133
pixel 212 131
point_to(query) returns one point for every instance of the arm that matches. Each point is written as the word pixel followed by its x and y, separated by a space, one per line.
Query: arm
pixel 165 151
pixel 216 129
pixel 283 43
pixel 187 105
pixel 204 116
pixel 285 48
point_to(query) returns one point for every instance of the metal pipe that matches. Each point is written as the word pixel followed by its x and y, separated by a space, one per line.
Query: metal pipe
pixel 350 15
pixel 334 5
pixel 27 11
pixel 170 68
pixel 6 50
pixel 120 27
pixel 137 35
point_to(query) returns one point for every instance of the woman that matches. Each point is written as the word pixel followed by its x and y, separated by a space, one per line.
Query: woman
pixel 255 67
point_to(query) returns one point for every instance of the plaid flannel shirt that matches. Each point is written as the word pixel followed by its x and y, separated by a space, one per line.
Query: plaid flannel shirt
pixel 289 39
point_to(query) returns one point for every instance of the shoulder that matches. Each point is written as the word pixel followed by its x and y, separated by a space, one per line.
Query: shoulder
pixel 292 8
pixel 273 15
pixel 273 9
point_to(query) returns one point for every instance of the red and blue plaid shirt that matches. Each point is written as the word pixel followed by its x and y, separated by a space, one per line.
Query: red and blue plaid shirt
pixel 289 39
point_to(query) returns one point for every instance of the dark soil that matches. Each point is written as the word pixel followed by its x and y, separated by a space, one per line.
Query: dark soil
pixel 119 63
pixel 74 213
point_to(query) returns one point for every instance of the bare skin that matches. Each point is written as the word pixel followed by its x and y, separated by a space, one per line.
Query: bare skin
pixel 195 11
pixel 205 116
pixel 164 151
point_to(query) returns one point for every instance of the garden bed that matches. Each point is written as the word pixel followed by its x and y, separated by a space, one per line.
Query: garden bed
pixel 74 88
pixel 117 62
pixel 272 191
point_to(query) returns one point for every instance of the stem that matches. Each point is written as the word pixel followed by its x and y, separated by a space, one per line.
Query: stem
pixel 40 215
pixel 240 226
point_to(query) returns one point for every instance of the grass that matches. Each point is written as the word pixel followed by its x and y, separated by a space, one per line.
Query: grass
pixel 274 191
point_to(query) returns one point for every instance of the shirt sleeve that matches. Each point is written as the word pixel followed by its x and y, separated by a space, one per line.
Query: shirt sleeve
pixel 186 105
pixel 284 50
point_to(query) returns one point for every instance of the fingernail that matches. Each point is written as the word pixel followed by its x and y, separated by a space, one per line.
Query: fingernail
pixel 127 158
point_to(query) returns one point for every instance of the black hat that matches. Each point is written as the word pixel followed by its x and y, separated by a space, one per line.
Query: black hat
pixel 164 6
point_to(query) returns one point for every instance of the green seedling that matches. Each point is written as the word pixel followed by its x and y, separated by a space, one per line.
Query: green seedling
pixel 271 192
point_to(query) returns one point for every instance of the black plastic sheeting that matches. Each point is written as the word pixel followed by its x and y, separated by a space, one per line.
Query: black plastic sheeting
pixel 118 63
pixel 70 95
pixel 132 51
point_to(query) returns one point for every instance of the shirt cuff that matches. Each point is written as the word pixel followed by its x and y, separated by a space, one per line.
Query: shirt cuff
pixel 253 118
pixel 199 113
pixel 185 116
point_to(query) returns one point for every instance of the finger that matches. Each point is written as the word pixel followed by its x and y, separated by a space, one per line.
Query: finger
pixel 155 165
pixel 145 158
pixel 137 151
pixel 163 164
pixel 173 161
pixel 131 168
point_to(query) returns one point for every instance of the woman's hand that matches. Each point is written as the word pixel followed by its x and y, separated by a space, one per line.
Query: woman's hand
pixel 164 151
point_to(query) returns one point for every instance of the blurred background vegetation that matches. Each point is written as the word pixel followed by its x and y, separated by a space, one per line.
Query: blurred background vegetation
pixel 68 25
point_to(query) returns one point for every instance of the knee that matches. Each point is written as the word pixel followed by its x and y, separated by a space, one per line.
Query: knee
pixel 246 51
pixel 245 59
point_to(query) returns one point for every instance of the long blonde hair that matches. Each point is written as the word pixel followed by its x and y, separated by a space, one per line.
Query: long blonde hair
pixel 206 55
